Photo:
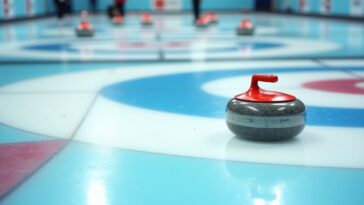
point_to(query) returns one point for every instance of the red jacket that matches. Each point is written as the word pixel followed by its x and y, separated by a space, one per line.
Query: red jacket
pixel 120 1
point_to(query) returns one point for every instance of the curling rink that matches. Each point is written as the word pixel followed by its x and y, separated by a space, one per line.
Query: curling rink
pixel 136 115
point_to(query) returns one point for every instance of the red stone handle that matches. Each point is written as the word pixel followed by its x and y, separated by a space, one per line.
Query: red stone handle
pixel 256 94
pixel 261 77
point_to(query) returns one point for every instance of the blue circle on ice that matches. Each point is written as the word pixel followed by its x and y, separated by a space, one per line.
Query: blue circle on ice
pixel 67 47
pixel 182 94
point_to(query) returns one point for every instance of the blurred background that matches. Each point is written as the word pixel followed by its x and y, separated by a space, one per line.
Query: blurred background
pixel 11 9
pixel 101 111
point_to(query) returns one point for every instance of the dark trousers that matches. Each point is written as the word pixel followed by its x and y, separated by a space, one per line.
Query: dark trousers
pixel 69 8
pixel 61 9
pixel 196 8
pixel 93 4
pixel 121 8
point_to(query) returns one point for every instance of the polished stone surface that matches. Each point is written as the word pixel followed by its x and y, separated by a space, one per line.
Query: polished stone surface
pixel 265 121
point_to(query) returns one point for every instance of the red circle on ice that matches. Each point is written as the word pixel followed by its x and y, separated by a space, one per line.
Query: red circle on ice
pixel 156 45
pixel 348 86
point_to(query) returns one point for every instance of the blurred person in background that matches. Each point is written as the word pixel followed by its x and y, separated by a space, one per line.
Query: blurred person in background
pixel 93 6
pixel 61 8
pixel 196 4
pixel 120 5
pixel 69 8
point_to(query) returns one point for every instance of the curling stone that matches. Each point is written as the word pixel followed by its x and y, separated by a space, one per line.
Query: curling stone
pixel 202 22
pixel 213 18
pixel 117 20
pixel 84 29
pixel 146 19
pixel 264 115
pixel 245 28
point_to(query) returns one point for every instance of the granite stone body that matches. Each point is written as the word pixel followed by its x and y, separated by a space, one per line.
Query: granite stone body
pixel 265 121
pixel 117 23
pixel 147 23
pixel 84 33
pixel 245 31
pixel 202 25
